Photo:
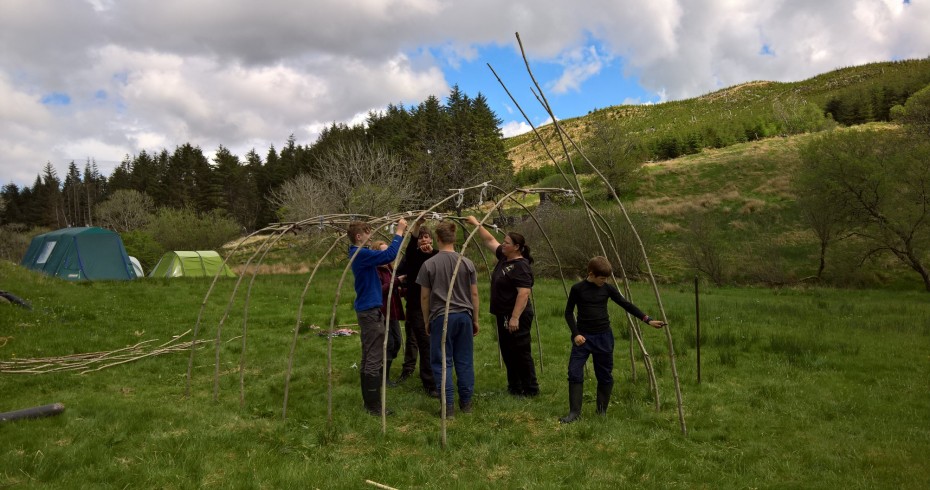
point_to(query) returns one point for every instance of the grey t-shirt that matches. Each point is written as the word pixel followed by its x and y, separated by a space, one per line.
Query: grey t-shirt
pixel 436 274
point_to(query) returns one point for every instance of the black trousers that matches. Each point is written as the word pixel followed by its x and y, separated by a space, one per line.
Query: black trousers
pixel 418 330
pixel 516 349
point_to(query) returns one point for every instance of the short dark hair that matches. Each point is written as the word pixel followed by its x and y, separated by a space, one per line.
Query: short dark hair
pixel 424 230
pixel 445 232
pixel 355 228
pixel 600 266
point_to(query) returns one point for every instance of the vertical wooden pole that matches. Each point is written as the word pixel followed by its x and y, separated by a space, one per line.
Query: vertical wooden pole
pixel 697 323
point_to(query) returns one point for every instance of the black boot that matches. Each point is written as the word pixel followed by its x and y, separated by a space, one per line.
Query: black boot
pixel 371 394
pixel 603 397
pixel 390 384
pixel 575 392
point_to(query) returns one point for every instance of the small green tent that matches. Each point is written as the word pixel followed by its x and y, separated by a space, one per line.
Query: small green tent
pixel 190 264
pixel 75 254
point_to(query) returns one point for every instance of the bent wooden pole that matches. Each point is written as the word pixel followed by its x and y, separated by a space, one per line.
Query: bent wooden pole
pixel 300 309
pixel 203 305
pixel 232 298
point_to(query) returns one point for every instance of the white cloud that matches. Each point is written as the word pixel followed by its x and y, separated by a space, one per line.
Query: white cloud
pixel 149 75
pixel 580 65
pixel 514 128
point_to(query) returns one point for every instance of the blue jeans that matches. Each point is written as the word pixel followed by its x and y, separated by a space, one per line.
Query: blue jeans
pixel 460 348
pixel 601 347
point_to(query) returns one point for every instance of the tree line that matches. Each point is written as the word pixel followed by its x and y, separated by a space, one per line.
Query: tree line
pixel 433 146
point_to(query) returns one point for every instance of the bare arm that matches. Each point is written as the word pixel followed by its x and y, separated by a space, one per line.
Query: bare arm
pixel 476 311
pixel 424 306
pixel 523 297
pixel 489 241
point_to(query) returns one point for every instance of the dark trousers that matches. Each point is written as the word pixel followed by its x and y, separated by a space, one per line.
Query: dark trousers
pixel 418 329
pixel 410 349
pixel 600 346
pixel 371 326
pixel 517 352
pixel 394 340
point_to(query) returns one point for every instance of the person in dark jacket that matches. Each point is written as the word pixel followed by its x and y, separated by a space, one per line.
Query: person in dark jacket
pixel 592 335
pixel 418 251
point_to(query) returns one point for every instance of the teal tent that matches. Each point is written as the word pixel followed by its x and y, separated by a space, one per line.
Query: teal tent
pixel 79 254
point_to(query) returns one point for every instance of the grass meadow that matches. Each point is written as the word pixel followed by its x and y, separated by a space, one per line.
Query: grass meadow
pixel 800 388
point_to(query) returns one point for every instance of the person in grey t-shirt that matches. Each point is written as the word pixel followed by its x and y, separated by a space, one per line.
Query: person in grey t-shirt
pixel 436 289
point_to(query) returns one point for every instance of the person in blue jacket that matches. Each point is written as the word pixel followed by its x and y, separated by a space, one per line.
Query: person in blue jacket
pixel 367 305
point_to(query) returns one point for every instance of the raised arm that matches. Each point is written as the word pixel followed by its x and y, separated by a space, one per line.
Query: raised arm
pixel 489 241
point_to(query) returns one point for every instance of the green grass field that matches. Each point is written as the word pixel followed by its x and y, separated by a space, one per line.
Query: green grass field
pixel 801 388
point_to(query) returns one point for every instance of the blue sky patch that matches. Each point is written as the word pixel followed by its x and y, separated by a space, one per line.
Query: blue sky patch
pixel 56 99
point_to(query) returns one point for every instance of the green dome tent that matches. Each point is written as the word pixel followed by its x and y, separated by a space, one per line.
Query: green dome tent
pixel 76 254
pixel 190 264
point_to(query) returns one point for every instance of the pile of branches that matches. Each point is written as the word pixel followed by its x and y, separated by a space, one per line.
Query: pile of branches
pixel 95 361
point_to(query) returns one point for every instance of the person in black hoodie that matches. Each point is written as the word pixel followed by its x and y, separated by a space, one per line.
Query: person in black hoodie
pixel 592 335
pixel 418 251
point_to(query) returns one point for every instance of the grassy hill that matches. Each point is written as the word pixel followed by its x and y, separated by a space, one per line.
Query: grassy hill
pixel 729 189
pixel 747 111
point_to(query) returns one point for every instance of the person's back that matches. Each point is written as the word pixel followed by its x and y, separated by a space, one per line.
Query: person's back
pixel 458 323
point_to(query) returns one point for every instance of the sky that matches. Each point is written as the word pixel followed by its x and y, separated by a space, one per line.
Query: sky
pixel 102 79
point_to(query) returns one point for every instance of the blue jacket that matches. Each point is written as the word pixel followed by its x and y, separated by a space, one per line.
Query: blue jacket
pixel 365 269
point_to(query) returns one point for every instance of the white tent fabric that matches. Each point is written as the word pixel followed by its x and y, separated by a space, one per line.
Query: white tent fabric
pixel 136 266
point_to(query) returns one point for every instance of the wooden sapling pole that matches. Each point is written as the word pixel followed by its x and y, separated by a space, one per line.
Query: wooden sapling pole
pixel 497 340
pixel 203 305
pixel 329 341
pixel 232 298
pixel 562 133
pixel 245 318
pixel 300 309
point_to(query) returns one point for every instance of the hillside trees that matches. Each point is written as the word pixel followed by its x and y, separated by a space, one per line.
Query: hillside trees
pixel 882 181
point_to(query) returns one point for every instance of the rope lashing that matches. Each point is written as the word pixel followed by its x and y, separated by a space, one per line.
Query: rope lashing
pixel 436 216
pixel 484 191
pixel 459 198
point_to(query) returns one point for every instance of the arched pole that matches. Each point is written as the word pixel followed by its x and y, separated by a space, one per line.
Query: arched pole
pixel 245 319
pixel 387 316
pixel 232 298
pixel 203 304
pixel 668 335
pixel 300 308
pixel 560 132
pixel 635 332
pixel 445 321
pixel 554 254
pixel 497 340
pixel 329 340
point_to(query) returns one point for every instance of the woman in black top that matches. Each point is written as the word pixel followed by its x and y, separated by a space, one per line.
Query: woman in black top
pixel 511 284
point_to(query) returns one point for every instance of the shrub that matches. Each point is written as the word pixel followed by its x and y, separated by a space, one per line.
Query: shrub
pixel 184 229
pixel 575 243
